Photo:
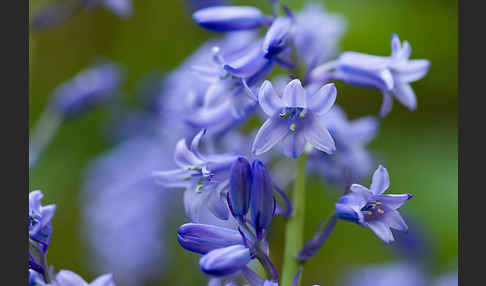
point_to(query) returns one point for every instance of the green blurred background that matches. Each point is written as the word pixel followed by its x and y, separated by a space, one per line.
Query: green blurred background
pixel 418 148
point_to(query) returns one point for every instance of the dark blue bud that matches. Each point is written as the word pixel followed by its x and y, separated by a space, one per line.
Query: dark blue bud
pixel 225 261
pixel 262 201
pixel 230 18
pixel 277 37
pixel 202 238
pixel 240 187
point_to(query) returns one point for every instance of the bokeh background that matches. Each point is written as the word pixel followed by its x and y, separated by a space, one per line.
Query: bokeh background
pixel 418 148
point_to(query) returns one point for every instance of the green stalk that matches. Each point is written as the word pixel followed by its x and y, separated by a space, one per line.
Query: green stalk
pixel 294 232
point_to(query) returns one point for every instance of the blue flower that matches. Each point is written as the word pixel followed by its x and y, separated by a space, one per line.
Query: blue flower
pixel 391 75
pixel 89 88
pixel 294 119
pixel 203 238
pixel 203 176
pixel 240 187
pixel 278 36
pixel 69 278
pixel 371 208
pixel 230 18
pixel 40 228
pixel 263 203
pixel 225 261
pixel 351 160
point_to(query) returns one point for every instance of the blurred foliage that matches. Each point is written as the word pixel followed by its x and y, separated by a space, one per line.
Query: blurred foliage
pixel 419 149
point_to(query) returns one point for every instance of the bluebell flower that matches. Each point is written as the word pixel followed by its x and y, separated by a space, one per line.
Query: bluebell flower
pixel 69 278
pixel 294 119
pixel 40 227
pixel 225 261
pixel 391 75
pixel 351 160
pixel 230 18
pixel 124 213
pixel 122 8
pixel 371 208
pixel 89 88
pixel 317 34
pixel 202 238
pixel 278 36
pixel 203 176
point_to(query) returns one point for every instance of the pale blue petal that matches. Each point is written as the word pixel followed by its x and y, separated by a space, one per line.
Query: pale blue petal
pixel 225 261
pixel 270 133
pixel 218 206
pixel 386 105
pixel 381 230
pixel 172 178
pixel 104 280
pixel 393 201
pixel 69 278
pixel 294 94
pixel 184 157
pixel 194 201
pixel 322 101
pixel 394 220
pixel 404 93
pixel 269 100
pixel 380 181
pixel 319 137
pixel 411 70
pixel 294 144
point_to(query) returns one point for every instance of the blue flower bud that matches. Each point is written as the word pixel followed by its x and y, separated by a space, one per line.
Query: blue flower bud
pixel 277 36
pixel 225 261
pixel 240 187
pixel 230 18
pixel 88 89
pixel 203 238
pixel 262 201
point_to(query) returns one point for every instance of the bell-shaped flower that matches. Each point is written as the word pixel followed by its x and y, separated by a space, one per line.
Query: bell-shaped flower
pixel 69 278
pixel 225 261
pixel 203 176
pixel 203 238
pixel 294 119
pixel 371 208
pixel 40 228
pixel 391 75
pixel 262 200
pixel 88 89
pixel 230 18
pixel 278 36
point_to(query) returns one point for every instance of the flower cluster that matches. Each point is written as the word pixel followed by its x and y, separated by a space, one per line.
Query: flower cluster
pixel 205 110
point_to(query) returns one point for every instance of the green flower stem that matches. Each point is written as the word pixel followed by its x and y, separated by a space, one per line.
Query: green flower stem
pixel 294 239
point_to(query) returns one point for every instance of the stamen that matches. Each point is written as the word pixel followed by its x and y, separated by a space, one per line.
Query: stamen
pixel 292 127
pixel 381 211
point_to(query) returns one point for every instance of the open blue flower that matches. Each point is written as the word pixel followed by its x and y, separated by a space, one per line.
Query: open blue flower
pixel 294 119
pixel 203 176
pixel 391 75
pixel 371 208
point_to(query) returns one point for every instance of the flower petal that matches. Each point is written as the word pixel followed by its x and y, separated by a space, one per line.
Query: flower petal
pixel 294 144
pixel 172 178
pixel 319 137
pixel 248 65
pixel 380 181
pixel 269 100
pixel 381 230
pixel 322 101
pixel 225 261
pixel 185 157
pixel 203 238
pixel 404 93
pixel 217 206
pixel 386 105
pixel 270 133
pixel 393 201
pixel 229 18
pixel 394 220
pixel 294 94
pixel 194 201
pixel 277 36
pixel 411 70
pixel 69 278
pixel 103 280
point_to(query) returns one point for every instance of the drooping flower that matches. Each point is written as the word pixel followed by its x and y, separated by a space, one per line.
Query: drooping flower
pixel 88 89
pixel 40 227
pixel 294 119
pixel 124 212
pixel 351 160
pixel 263 203
pixel 203 176
pixel 203 238
pixel 391 75
pixel 69 278
pixel 230 18
pixel 240 187
pixel 225 261
pixel 371 208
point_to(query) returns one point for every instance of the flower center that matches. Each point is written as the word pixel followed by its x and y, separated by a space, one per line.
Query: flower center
pixel 293 114
pixel 372 210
